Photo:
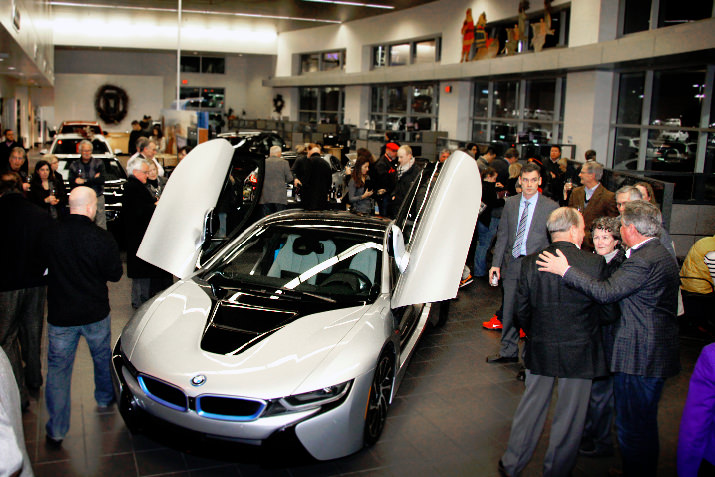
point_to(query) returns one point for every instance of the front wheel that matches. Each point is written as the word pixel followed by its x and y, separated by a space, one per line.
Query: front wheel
pixel 379 398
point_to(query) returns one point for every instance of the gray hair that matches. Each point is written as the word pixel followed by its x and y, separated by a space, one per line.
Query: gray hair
pixel 85 142
pixel 594 168
pixel 609 224
pixel 448 151
pixel 145 145
pixel 562 219
pixel 407 149
pixel 275 151
pixel 644 216
pixel 135 163
pixel 141 143
pixel 633 193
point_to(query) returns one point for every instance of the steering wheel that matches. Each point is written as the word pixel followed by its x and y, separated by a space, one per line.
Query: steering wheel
pixel 355 279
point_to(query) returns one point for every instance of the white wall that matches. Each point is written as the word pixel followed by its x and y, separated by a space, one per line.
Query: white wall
pixel 242 80
pixel 74 97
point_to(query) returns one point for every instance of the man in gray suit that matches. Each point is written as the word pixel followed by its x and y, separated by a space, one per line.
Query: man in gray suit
pixel 563 342
pixel 522 231
pixel 273 196
pixel 646 341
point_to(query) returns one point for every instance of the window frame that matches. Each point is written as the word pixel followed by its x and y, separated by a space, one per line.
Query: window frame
pixel 386 50
pixel 321 61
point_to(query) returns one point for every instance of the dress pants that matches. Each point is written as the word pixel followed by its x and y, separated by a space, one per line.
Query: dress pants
pixel 600 415
pixel 637 422
pixel 61 348
pixel 21 319
pixel 566 427
pixel 509 333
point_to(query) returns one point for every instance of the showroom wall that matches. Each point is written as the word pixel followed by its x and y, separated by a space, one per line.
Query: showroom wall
pixel 242 80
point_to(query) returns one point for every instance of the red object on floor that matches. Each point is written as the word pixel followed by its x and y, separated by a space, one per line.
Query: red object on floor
pixel 493 324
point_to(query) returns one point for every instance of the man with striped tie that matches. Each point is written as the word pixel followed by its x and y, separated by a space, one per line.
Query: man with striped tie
pixel 522 231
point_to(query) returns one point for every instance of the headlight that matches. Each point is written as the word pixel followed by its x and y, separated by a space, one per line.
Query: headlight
pixel 310 400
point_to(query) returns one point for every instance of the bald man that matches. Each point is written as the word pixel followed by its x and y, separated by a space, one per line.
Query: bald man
pixel 82 258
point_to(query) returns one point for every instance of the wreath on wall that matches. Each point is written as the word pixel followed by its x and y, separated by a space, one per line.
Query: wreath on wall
pixel 111 103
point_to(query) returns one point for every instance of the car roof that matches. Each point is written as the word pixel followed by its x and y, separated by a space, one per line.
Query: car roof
pixel 331 219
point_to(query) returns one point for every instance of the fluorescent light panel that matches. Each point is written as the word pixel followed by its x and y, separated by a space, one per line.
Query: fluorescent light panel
pixel 198 12
pixel 353 4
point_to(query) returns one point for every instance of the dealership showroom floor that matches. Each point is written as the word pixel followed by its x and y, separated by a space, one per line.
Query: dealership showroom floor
pixel 451 416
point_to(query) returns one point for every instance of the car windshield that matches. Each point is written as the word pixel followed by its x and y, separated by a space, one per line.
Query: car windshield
pixel 113 170
pixel 320 262
pixel 71 146
pixel 80 128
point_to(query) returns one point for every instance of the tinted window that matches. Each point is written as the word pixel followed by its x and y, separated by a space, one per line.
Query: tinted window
pixel 71 146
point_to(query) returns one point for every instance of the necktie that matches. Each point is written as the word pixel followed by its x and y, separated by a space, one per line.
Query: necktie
pixel 520 231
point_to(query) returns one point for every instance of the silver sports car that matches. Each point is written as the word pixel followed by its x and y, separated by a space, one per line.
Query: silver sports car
pixel 302 325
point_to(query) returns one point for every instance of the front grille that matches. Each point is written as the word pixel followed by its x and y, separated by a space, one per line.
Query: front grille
pixel 229 408
pixel 163 393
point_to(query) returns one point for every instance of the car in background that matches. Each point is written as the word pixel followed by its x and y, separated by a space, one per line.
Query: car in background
pixel 298 329
pixel 80 127
pixel 66 148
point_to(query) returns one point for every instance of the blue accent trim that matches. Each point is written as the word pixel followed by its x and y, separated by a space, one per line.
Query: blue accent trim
pixel 159 400
pixel 233 418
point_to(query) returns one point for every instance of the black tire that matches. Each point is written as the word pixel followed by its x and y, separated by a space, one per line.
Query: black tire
pixel 379 398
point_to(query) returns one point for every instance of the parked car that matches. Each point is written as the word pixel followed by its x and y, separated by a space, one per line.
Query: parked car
pixel 66 148
pixel 301 327
pixel 80 127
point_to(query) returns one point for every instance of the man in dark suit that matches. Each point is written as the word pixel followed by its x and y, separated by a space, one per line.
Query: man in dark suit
pixel 564 342
pixel 592 199
pixel 522 231
pixel 6 148
pixel 646 339
pixel 501 165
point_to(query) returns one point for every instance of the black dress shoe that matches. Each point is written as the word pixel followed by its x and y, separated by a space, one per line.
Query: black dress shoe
pixel 53 443
pixel 502 470
pixel 497 358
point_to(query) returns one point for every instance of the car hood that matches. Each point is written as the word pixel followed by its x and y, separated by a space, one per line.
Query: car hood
pixel 164 340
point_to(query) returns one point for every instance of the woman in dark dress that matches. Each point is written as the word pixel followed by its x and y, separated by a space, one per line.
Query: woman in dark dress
pixel 44 190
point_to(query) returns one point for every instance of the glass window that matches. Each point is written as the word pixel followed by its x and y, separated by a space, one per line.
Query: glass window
pixel 399 54
pixel 422 99
pixel 540 100
pixel 674 12
pixel 379 56
pixel 213 65
pixel 190 64
pixel 331 60
pixel 480 131
pixel 671 153
pixel 425 52
pixel 330 99
pixel 377 98
pixel 506 99
pixel 481 99
pixel 309 63
pixel 677 97
pixel 636 16
pixel 504 132
pixel 397 98
pixel 308 117
pixel 625 151
pixel 630 98
pixel 309 98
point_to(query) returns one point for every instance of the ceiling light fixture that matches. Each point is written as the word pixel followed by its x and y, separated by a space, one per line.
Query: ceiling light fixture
pixel 353 4
pixel 198 12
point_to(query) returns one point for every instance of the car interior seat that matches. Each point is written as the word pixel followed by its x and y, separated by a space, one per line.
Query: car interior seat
pixel 298 255
pixel 365 262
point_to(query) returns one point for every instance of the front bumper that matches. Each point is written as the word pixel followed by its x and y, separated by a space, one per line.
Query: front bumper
pixel 324 433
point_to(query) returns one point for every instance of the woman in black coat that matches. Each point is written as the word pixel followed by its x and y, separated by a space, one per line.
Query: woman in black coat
pixel 44 190
pixel 138 206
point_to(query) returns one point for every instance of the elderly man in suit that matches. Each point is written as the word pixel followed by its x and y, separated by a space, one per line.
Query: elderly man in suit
pixel 592 199
pixel 563 343
pixel 522 231
pixel 646 339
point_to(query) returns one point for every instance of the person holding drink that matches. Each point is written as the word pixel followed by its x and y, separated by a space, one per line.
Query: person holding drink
pixel 44 191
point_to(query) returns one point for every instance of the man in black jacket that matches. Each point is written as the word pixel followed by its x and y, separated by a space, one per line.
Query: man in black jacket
pixel 22 285
pixel 564 343
pixel 82 258
pixel 407 172
pixel 6 148
pixel 645 351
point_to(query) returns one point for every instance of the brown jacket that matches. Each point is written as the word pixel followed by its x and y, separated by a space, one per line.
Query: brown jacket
pixel 602 203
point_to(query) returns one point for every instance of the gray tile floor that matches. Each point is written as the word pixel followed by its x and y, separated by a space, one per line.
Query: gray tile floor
pixel 451 416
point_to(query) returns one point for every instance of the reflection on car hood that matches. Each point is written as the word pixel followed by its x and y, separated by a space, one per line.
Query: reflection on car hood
pixel 172 328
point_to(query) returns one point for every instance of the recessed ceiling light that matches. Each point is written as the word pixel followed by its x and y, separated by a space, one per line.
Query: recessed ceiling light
pixel 353 4
pixel 11 68
pixel 198 12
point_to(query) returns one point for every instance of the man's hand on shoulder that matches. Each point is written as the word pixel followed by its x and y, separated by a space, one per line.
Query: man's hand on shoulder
pixel 556 264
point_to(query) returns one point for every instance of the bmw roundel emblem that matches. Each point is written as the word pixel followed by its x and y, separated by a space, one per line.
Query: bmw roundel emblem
pixel 198 380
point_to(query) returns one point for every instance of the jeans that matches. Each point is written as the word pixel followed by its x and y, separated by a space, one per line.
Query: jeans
pixel 637 422
pixel 486 234
pixel 61 349
pixel 21 319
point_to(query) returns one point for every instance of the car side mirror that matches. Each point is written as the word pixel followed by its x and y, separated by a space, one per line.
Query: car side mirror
pixel 402 257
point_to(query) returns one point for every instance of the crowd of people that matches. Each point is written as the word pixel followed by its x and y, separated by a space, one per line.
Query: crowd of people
pixel 589 280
